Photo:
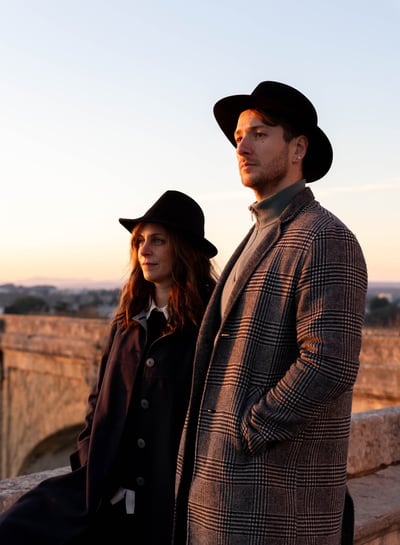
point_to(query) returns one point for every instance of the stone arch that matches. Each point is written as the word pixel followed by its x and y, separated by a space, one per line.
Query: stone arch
pixel 52 452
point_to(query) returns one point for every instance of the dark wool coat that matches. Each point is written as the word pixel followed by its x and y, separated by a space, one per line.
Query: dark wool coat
pixel 264 451
pixel 151 412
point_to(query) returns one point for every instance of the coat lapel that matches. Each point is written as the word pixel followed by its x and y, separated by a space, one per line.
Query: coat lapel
pixel 256 257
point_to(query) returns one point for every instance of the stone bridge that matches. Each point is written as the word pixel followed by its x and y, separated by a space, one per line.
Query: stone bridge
pixel 47 368
pixel 48 365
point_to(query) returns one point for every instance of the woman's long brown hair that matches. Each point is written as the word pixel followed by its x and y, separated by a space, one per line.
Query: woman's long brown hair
pixel 194 278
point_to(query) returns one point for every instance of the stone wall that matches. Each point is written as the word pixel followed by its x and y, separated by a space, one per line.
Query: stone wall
pixel 48 367
pixel 378 381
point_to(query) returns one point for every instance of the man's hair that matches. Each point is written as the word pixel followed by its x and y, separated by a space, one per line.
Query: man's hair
pixel 274 120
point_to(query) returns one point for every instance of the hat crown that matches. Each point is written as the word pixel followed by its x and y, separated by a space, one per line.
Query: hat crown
pixel 177 211
pixel 288 102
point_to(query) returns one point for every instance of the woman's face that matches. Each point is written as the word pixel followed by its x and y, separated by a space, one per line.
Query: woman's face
pixel 155 254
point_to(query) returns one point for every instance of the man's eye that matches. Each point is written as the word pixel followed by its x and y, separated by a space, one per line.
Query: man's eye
pixel 260 135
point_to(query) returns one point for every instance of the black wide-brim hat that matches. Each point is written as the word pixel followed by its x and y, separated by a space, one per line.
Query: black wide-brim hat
pixel 286 103
pixel 182 214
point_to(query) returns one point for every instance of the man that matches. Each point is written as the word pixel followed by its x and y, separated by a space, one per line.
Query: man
pixel 264 452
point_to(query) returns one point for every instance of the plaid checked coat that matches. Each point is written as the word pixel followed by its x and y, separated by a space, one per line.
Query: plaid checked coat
pixel 264 452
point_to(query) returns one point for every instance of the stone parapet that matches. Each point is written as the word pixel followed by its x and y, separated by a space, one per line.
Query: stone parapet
pixel 377 507
pixel 11 489
pixel 374 441
pixel 373 468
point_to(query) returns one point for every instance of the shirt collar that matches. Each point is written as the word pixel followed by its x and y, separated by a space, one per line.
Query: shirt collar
pixel 268 210
pixel 153 306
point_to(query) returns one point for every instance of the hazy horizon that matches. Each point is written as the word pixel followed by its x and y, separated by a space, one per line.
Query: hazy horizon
pixel 86 283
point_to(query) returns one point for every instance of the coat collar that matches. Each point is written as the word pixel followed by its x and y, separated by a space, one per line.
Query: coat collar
pixel 299 201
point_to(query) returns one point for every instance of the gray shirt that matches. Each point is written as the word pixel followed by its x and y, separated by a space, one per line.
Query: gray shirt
pixel 264 213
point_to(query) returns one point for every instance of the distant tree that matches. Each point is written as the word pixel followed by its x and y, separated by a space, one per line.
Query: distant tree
pixel 61 308
pixel 27 305
pixel 382 313
pixel 376 303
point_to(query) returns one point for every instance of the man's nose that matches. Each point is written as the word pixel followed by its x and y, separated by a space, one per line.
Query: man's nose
pixel 243 146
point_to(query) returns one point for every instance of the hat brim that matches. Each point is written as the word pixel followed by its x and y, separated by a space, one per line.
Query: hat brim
pixel 318 159
pixel 202 243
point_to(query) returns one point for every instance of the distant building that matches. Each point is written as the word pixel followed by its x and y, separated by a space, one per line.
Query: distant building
pixel 387 296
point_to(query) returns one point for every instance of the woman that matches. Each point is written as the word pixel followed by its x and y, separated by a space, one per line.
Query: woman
pixel 122 479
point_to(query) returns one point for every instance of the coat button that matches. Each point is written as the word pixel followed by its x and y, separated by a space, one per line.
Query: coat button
pixel 140 481
pixel 144 403
pixel 150 362
pixel 141 443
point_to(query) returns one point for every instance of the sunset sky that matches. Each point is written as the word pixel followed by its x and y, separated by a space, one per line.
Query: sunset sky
pixel 104 105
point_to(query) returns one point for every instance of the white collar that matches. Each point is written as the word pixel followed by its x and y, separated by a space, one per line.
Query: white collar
pixel 153 306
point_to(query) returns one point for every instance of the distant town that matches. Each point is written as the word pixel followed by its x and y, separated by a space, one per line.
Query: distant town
pixel 383 302
pixel 48 299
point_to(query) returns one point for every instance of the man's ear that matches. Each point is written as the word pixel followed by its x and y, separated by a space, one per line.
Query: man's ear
pixel 301 147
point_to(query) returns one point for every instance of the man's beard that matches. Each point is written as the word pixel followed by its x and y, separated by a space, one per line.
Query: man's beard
pixel 274 172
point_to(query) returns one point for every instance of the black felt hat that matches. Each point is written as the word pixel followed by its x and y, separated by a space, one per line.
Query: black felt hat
pixel 289 104
pixel 180 212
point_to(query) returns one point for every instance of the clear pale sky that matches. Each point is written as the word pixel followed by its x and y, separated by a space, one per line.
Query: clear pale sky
pixel 104 105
